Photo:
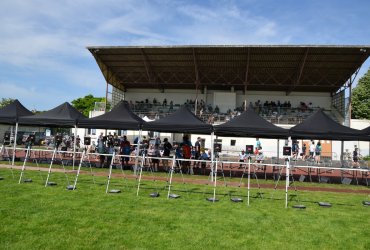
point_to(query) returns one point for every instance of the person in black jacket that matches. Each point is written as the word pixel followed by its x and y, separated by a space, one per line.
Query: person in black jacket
pixel 167 147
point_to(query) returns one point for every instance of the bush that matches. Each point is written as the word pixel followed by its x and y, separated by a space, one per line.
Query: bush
pixel 366 158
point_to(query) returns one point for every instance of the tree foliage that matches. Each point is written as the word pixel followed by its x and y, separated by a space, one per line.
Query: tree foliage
pixel 6 101
pixel 361 98
pixel 86 104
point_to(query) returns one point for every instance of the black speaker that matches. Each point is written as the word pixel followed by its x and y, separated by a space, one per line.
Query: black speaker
pixel 287 151
pixel 217 147
pixel 249 149
pixel 87 140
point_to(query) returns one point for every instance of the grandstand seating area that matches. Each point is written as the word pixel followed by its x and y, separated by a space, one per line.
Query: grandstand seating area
pixel 208 113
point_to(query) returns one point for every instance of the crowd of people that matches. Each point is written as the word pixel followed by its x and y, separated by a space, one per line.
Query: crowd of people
pixel 156 151
pixel 188 156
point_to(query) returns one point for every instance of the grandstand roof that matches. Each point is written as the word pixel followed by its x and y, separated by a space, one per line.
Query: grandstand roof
pixel 252 67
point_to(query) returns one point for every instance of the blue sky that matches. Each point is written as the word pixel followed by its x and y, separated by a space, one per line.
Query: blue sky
pixel 44 61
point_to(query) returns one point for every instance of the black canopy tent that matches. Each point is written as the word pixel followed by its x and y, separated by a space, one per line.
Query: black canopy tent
pixel 120 117
pixel 63 115
pixel 366 131
pixel 10 114
pixel 181 121
pixel 320 126
pixel 250 124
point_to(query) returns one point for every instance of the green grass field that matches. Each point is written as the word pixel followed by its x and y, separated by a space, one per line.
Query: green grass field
pixel 35 217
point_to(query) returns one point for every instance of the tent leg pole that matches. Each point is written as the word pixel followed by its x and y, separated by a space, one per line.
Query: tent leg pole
pixel 212 156
pixel 51 163
pixel 110 173
pixel 74 147
pixel 14 144
pixel 249 178
pixel 172 169
pixel 24 164
pixel 137 153
pixel 78 171
pixel 287 182
pixel 141 172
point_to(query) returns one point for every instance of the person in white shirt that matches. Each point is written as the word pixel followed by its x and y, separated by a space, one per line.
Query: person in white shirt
pixel 312 149
pixel 242 157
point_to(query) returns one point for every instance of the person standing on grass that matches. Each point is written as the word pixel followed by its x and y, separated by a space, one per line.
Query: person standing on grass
pixel 101 149
pixel 154 152
pixel 312 149
pixel 186 152
pixel 242 157
pixel 295 149
pixel 166 153
pixel 318 150
pixel 197 151
pixel 355 158
pixel 203 156
pixel 258 143
pixel 303 154
pixel 125 149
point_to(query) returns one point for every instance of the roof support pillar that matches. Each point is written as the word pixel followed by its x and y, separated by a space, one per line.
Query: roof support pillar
pixel 246 79
pixel 196 70
pixel 106 97
pixel 350 103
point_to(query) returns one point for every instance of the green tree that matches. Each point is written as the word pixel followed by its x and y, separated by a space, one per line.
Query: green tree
pixel 6 101
pixel 361 98
pixel 86 104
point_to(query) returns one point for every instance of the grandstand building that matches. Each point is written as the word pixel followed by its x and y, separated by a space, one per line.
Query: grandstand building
pixel 285 84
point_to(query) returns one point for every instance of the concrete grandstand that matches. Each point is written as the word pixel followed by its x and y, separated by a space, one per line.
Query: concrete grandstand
pixel 285 84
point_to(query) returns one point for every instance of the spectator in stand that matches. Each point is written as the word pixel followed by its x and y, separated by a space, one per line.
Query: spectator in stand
pixel 217 109
pixel 166 153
